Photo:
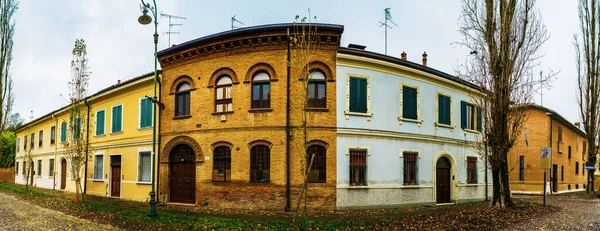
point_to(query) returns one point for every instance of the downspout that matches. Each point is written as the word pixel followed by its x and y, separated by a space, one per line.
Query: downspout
pixel 157 154
pixel 87 145
pixel 55 148
pixel 287 130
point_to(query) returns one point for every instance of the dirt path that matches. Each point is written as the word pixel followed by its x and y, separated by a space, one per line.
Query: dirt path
pixel 17 214
pixel 576 213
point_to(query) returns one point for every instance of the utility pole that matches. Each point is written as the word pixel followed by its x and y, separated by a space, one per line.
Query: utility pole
pixel 171 25
pixel 387 24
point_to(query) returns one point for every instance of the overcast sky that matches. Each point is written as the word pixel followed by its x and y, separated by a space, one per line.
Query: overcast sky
pixel 119 48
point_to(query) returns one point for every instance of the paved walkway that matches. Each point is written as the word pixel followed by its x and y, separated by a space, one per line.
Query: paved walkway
pixel 575 213
pixel 16 214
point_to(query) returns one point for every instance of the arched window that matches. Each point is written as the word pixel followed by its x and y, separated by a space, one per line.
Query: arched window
pixel 182 99
pixel 316 90
pixel 318 172
pixel 222 164
pixel 261 90
pixel 260 164
pixel 223 94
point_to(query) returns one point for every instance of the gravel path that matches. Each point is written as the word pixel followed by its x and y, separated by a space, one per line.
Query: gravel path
pixel 16 214
pixel 576 213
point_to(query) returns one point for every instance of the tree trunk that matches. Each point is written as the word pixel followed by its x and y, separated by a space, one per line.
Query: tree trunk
pixel 496 187
pixel 505 187
pixel 77 190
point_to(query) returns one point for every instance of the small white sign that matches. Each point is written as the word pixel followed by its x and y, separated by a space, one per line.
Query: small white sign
pixel 545 153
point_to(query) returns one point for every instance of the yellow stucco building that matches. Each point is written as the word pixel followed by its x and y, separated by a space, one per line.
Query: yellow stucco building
pixel 120 144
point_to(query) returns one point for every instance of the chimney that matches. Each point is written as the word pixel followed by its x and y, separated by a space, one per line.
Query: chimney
pixel 403 55
pixel 424 58
pixel 174 45
pixel 577 124
pixel 119 81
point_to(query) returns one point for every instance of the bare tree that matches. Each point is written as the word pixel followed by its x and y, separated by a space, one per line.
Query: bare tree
pixel 28 165
pixel 504 37
pixel 587 45
pixel 76 145
pixel 7 30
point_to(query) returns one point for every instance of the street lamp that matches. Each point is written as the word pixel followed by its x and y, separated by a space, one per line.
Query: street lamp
pixel 145 19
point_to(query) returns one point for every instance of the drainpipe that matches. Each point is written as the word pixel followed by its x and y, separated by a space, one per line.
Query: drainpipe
pixel 552 176
pixel 55 145
pixel 87 142
pixel 287 130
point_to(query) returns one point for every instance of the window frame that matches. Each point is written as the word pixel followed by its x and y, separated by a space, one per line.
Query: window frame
pixel 347 112
pixel 183 94
pixel 17 149
pixel 401 117
pixel 52 135
pixel 226 159
pixel 223 101
pixel 576 168
pixel 315 167
pixel 63 139
pixel 366 164
pixel 40 138
pixel 472 171
pixel 310 104
pixel 112 108
pixel 405 169
pixel 25 143
pixel 258 163
pixel 32 140
pixel 38 168
pixel 521 168
pixel 96 121
pixel 260 84
pixel 95 178
pixel 140 152
pixel 437 105
pixel 140 112
pixel 475 114
pixel 17 167
pixel 51 164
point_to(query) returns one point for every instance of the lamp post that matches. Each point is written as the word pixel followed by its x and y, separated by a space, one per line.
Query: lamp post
pixel 144 20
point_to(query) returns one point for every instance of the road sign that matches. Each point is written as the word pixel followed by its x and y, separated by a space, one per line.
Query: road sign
pixel 545 155
pixel 589 167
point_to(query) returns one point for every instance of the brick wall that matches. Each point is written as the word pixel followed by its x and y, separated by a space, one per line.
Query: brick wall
pixel 7 175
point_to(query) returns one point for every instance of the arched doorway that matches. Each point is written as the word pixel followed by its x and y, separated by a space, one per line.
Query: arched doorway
pixel 182 165
pixel 63 174
pixel 443 180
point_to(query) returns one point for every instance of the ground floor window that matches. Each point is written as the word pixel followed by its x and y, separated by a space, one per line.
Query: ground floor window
pixel 471 170
pixel 98 167
pixel 222 164
pixel 358 167
pixel 39 168
pixel 318 171
pixel 410 167
pixel 17 168
pixel 521 168
pixel 51 167
pixel 144 167
pixel 260 164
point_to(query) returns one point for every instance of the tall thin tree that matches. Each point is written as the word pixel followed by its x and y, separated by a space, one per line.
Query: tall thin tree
pixel 8 9
pixel 505 37
pixel 587 45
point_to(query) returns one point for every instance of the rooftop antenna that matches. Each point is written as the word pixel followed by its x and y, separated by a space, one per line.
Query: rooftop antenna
pixel 233 21
pixel 171 25
pixel 387 23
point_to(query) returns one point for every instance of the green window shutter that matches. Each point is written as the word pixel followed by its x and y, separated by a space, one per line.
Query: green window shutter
pixel 354 94
pixel 479 119
pixel 100 123
pixel 113 120
pixel 143 110
pixel 117 113
pixel 463 114
pixel 120 118
pixel 409 103
pixel 149 110
pixel 443 109
pixel 76 128
pixel 63 132
pixel 362 96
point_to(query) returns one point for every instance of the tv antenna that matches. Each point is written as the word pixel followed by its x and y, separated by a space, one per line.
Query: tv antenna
pixel 233 21
pixel 171 25
pixel 387 23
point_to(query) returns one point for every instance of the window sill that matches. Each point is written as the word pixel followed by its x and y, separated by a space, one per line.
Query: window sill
pixel 182 117
pixel 98 136
pixel 143 183
pixel 260 110
pixel 471 184
pixel 51 177
pixel 349 113
pixel 444 125
pixel 313 109
pixel 38 176
pixel 471 131
pixel 260 182
pixel 418 121
pixel 117 133
pixel 145 128
pixel 222 113
pixel 97 180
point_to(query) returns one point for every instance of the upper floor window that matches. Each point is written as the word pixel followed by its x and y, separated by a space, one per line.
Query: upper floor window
pixel 560 134
pixel 52 135
pixel 18 144
pixel 146 111
pixel 117 119
pixel 41 138
pixel 358 95
pixel 222 164
pixel 63 132
pixel 76 128
pixel 410 102
pixel 32 141
pixel 410 167
pixel 470 116
pixel 317 90
pixel 100 119
pixel 260 164
pixel 318 171
pixel 471 170
pixel 569 152
pixel 182 99
pixel 223 101
pixel 444 109
pixel 25 142
pixel 261 90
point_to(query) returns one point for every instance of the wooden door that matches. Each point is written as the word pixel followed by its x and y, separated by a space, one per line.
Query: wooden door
pixel 183 175
pixel 554 178
pixel 115 176
pixel 442 180
pixel 63 174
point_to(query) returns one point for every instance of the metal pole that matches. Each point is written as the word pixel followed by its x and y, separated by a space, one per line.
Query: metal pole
pixel 544 187
pixel 486 171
